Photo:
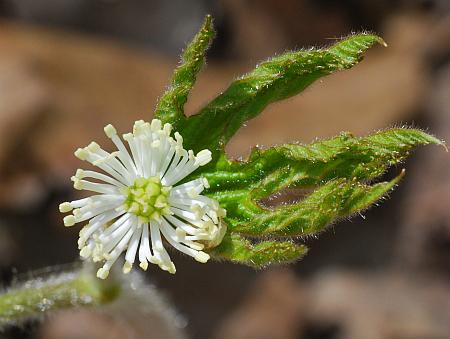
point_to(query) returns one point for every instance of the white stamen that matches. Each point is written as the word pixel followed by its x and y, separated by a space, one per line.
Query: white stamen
pixel 138 200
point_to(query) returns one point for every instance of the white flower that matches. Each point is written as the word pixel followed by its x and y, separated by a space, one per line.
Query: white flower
pixel 138 200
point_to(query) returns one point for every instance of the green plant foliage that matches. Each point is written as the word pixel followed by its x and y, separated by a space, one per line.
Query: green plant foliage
pixel 276 79
pixel 240 250
pixel 339 172
pixel 170 106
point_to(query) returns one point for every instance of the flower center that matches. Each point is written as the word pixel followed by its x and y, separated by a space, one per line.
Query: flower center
pixel 147 198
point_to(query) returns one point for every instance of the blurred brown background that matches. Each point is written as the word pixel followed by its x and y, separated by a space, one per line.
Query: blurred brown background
pixel 69 67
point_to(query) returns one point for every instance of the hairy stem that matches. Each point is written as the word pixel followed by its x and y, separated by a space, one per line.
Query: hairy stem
pixel 38 296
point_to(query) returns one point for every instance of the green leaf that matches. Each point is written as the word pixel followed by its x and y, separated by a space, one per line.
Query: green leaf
pixel 297 165
pixel 170 108
pixel 239 250
pixel 336 171
pixel 336 199
pixel 273 80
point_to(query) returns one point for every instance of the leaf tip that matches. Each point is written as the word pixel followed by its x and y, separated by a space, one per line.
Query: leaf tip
pixel 434 140
pixel 394 182
pixel 401 175
pixel 382 42
pixel 373 37
pixel 208 22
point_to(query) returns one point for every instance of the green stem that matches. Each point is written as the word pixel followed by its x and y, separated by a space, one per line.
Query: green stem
pixel 66 290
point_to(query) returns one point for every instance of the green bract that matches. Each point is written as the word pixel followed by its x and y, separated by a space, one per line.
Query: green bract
pixel 338 172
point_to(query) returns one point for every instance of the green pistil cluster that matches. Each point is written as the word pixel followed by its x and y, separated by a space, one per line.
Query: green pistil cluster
pixel 147 198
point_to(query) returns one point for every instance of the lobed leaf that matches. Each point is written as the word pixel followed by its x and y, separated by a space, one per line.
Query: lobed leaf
pixel 296 165
pixel 240 250
pixel 337 171
pixel 276 79
pixel 170 108
pixel 336 199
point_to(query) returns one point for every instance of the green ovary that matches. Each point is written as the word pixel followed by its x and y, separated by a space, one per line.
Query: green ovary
pixel 147 198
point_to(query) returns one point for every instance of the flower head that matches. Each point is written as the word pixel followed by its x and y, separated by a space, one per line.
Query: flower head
pixel 139 200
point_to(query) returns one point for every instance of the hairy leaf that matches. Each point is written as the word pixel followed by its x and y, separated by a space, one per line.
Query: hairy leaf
pixel 276 79
pixel 336 199
pixel 337 171
pixel 297 165
pixel 170 107
pixel 239 250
